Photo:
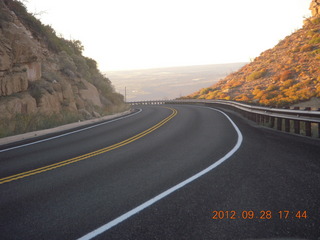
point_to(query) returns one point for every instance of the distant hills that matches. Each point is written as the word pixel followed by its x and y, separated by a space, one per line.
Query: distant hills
pixel 282 76
pixel 168 83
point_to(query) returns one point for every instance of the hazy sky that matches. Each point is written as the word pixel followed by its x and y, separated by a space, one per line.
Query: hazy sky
pixel 129 34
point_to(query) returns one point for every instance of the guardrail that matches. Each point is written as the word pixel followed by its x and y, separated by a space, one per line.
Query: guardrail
pixel 305 122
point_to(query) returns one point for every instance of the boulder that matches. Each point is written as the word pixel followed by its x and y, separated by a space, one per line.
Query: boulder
pixel 33 71
pixel 13 83
pixel 5 61
pixel 24 104
pixel 49 103
pixel 90 94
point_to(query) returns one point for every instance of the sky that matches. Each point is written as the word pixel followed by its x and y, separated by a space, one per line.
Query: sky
pixel 139 34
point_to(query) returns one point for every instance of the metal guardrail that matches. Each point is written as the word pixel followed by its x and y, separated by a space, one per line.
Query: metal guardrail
pixel 305 122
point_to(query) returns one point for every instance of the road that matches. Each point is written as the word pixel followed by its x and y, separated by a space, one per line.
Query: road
pixel 126 179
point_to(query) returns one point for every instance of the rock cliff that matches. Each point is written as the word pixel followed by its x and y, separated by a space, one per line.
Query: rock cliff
pixel 41 73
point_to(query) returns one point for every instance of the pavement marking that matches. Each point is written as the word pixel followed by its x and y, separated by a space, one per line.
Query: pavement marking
pixel 91 154
pixel 72 132
pixel 148 203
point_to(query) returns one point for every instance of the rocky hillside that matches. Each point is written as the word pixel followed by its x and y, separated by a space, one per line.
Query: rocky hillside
pixel 287 74
pixel 44 79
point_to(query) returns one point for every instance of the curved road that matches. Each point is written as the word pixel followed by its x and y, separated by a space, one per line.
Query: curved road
pixel 125 179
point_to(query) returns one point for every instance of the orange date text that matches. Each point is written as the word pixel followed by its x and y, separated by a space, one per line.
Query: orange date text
pixel 264 214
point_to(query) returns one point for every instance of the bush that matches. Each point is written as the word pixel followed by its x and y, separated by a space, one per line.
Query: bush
pixel 285 75
pixel 82 66
pixel 256 75
pixel 66 62
pixel 315 40
pixel 35 91
pixel 316 52
pixel 288 83
pixel 306 48
pixel 205 91
pixel 50 76
pixel 272 87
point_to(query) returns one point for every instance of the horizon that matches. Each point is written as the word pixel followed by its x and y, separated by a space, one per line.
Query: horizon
pixel 167 67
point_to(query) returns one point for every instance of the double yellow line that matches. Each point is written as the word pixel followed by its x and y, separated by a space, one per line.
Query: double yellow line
pixel 88 155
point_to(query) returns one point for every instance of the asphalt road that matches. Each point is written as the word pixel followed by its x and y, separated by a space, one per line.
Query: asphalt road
pixel 267 185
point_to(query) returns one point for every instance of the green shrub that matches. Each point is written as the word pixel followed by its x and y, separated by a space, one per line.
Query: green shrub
pixel 315 40
pixel 256 75
pixel 205 91
pixel 271 87
pixel 50 76
pixel 35 91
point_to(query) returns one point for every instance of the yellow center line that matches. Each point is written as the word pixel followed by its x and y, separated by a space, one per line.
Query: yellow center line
pixel 91 154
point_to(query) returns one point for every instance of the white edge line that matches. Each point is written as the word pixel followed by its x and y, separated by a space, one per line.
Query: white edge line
pixel 148 203
pixel 69 133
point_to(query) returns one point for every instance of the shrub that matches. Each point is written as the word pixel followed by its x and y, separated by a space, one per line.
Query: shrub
pixel 285 75
pixel 82 66
pixel 256 75
pixel 287 83
pixel 212 95
pixel 259 94
pixel 271 87
pixel 35 91
pixel 66 62
pixel 243 98
pixel 50 76
pixel 315 40
pixel 316 52
pixel 205 91
pixel 306 48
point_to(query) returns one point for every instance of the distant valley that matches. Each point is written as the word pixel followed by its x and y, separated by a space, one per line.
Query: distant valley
pixel 168 83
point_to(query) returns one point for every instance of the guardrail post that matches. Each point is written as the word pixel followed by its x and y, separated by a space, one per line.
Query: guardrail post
pixel 308 128
pixel 267 119
pixel 318 126
pixel 272 122
pixel 296 126
pixel 257 118
pixel 296 123
pixel 279 124
pixel 287 125
pixel 308 124
pixel 253 117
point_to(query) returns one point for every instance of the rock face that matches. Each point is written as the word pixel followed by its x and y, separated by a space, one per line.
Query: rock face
pixel 315 8
pixel 19 57
pixel 36 79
